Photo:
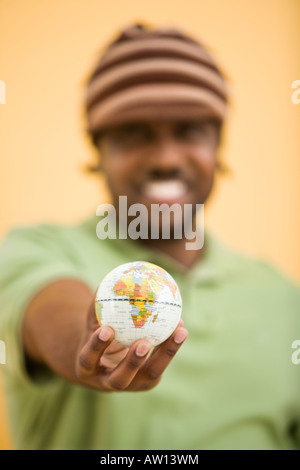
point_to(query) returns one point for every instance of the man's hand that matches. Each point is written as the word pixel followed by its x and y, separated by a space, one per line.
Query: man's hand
pixel 61 332
pixel 104 364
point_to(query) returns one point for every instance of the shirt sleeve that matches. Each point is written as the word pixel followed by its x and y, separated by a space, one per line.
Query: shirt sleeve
pixel 30 259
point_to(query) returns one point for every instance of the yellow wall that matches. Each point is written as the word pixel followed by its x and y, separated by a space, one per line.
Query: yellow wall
pixel 46 49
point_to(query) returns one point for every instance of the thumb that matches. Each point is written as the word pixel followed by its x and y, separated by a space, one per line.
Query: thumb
pixel 92 322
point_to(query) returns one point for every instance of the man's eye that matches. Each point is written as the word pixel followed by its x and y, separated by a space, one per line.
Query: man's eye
pixel 193 131
pixel 133 134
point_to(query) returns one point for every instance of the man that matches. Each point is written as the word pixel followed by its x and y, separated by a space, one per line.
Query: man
pixel 155 107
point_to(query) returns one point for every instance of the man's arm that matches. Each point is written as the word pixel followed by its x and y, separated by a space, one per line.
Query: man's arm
pixel 60 331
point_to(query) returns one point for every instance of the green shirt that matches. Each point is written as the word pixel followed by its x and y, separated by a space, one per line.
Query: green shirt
pixel 232 385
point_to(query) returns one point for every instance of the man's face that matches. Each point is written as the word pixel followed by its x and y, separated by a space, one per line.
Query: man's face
pixel 160 162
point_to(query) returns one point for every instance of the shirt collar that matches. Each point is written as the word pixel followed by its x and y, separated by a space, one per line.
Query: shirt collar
pixel 214 265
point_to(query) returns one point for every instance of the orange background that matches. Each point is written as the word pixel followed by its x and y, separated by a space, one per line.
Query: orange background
pixel 48 47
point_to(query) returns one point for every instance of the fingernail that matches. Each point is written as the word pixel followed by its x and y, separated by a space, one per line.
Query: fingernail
pixel 180 336
pixel 104 334
pixel 142 349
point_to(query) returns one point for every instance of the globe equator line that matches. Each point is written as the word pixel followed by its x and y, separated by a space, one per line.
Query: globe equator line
pixel 126 300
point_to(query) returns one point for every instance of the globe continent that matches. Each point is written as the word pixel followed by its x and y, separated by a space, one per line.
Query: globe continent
pixel 139 300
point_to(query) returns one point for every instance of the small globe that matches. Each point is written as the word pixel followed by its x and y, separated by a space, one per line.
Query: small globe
pixel 139 300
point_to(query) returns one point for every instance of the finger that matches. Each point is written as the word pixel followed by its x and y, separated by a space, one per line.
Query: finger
pixel 162 355
pixel 121 377
pixel 92 323
pixel 90 354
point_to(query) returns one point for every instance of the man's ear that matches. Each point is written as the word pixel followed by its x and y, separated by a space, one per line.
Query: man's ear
pixel 96 167
pixel 222 168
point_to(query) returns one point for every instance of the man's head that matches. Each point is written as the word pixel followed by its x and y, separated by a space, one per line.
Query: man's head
pixel 155 105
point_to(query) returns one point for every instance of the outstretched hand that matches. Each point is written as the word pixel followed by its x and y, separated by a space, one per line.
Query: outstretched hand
pixel 106 365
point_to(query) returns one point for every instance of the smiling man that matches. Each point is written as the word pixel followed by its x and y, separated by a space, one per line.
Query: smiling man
pixel 155 106
pixel 165 170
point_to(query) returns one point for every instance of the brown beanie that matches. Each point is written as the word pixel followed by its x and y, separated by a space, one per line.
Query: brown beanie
pixel 148 74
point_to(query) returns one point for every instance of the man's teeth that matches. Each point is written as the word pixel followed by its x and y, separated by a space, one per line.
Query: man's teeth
pixel 165 189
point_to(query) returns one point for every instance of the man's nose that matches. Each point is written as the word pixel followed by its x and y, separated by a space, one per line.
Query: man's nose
pixel 166 155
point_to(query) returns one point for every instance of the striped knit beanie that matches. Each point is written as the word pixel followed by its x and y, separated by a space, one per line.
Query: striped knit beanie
pixel 149 74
